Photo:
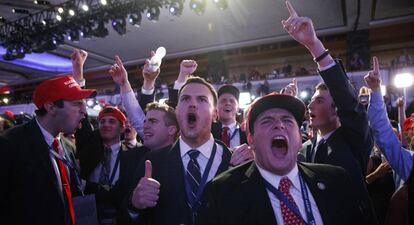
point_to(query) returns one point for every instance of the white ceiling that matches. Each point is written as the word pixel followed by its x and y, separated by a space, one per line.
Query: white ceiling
pixel 243 23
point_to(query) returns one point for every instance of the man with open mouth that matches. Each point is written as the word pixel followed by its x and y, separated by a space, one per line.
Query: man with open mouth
pixel 275 188
pixel 172 181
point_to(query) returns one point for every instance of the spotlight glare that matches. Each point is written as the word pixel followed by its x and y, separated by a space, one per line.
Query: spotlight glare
pixel 44 22
pixel 198 6
pixel 71 12
pixel 6 100
pixel 103 2
pixel 303 94
pixel 135 19
pixel 85 7
pixel 60 10
pixel 58 18
pixel 403 80
pixel 153 14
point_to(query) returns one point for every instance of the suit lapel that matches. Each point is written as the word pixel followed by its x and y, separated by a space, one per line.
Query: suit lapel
pixel 256 193
pixel 317 187
pixel 41 149
pixel 225 159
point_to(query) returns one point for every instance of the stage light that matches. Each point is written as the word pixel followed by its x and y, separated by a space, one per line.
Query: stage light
pixel 40 2
pixel 20 11
pixel 85 7
pixel 119 25
pixel 60 10
pixel 403 80
pixel 221 4
pixel 101 30
pixel 6 100
pixel 58 17
pixel 304 94
pixel 73 36
pixel 153 13
pixel 71 12
pixel 176 7
pixel 44 22
pixel 90 103
pixel 198 6
pixel 135 19
pixel 103 2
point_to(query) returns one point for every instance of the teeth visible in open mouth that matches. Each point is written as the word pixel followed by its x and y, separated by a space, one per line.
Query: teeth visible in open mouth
pixel 279 142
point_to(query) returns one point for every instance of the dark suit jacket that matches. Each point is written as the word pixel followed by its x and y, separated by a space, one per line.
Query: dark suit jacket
pixel 90 152
pixel 239 197
pixel 29 187
pixel 167 168
pixel 217 129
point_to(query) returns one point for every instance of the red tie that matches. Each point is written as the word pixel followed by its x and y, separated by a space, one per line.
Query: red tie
pixel 225 136
pixel 65 182
pixel 289 217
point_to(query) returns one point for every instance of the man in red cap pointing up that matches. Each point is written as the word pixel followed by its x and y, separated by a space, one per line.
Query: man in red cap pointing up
pixel 34 170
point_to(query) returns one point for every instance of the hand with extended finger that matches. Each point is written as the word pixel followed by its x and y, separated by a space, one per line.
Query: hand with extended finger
pixel 146 193
pixel 300 28
pixel 291 88
pixel 241 154
pixel 78 58
pixel 373 78
pixel 118 72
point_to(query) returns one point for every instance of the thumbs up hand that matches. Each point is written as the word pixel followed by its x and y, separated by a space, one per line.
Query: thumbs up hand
pixel 146 193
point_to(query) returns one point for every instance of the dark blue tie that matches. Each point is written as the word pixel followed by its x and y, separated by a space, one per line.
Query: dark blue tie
pixel 193 176
pixel 106 167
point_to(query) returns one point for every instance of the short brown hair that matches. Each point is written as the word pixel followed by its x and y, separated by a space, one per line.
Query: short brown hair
pixel 200 80
pixel 170 119
pixel 323 87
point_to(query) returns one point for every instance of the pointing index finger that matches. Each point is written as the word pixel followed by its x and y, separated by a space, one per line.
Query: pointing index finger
pixel 292 11
pixel 375 65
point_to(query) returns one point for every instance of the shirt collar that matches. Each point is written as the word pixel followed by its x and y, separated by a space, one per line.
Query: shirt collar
pixel 274 179
pixel 205 149
pixel 48 137
pixel 325 137
pixel 115 148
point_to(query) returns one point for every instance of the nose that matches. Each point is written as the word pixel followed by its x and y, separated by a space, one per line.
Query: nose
pixel 310 105
pixel 278 124
pixel 146 125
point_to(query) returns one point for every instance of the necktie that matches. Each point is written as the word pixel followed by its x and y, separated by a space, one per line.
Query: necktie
pixel 289 217
pixel 106 167
pixel 193 175
pixel 225 136
pixel 65 182
pixel 320 152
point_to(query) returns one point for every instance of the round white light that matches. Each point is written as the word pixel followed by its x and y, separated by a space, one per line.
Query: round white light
pixel 103 2
pixel 60 10
pixel 303 94
pixel 90 102
pixel 6 100
pixel 58 17
pixel 85 7
pixel 403 80
pixel 71 12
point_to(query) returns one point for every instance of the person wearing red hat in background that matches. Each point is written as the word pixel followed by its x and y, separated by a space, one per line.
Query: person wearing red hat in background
pixel 36 178
pixel 408 129
pixel 307 193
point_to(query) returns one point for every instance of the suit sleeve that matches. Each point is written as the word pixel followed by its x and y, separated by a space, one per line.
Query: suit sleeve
pixel 352 114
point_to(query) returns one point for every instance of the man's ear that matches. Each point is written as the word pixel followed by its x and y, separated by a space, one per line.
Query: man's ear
pixel 172 130
pixel 122 128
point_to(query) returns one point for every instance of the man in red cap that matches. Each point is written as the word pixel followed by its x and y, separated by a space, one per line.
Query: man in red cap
pixel 106 163
pixel 36 186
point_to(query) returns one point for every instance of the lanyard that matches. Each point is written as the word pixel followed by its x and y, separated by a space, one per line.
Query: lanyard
pixel 289 204
pixel 234 133
pixel 70 165
pixel 115 169
pixel 203 179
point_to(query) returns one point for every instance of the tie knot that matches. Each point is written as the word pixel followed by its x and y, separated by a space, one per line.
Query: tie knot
pixel 193 153
pixel 285 184
pixel 226 129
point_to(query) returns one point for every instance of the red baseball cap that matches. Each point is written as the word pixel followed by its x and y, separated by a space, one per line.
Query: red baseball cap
pixel 60 88
pixel 112 111
pixel 408 123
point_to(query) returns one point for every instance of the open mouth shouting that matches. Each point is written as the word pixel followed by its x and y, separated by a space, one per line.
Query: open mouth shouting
pixel 191 120
pixel 279 146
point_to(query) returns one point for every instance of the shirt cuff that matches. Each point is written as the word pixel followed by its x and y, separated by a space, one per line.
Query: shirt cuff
pixel 328 66
pixel 82 83
pixel 147 92
pixel 178 85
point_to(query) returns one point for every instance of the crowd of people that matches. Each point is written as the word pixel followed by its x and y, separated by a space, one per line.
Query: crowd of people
pixel 191 161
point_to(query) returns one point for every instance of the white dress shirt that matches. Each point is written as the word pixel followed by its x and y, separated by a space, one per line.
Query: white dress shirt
pixel 234 129
pixel 49 140
pixel 136 115
pixel 295 191
pixel 94 177
pixel 205 153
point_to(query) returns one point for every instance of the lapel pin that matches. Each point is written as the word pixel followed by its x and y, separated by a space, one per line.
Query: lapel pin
pixel 321 186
